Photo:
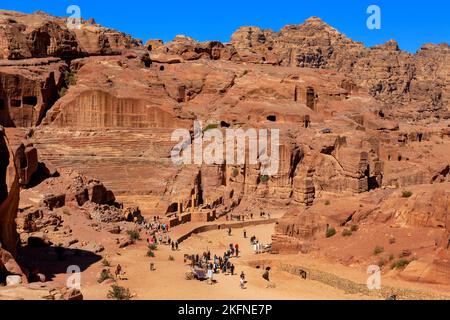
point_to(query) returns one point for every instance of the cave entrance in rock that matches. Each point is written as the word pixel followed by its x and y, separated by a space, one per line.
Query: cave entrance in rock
pixel 4 154
pixel 420 137
pixel 373 183
pixel 272 118
pixel 310 98
pixel 224 124
pixel 16 103
pixel 30 100
pixel 172 208
pixel 307 121
pixel 40 42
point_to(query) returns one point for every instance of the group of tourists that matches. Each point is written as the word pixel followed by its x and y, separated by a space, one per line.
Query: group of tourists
pixel 257 246
pixel 154 226
pixel 217 263
pixel 163 239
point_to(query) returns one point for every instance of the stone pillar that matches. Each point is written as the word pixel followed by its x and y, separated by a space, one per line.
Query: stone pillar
pixel 179 207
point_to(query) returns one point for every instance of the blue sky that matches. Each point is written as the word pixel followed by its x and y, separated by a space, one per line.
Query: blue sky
pixel 412 23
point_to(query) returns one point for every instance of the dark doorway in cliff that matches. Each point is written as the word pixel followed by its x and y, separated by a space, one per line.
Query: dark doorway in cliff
pixel 296 159
pixel 224 124
pixel 4 156
pixel 272 118
pixel 31 101
pixel 310 98
pixel 373 183
pixel 161 68
pixel 172 208
pixel 40 43
pixel 16 103
pixel 307 121
pixel 420 137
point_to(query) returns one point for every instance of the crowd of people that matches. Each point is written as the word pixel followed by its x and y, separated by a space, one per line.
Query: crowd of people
pixel 218 263
pixel 153 226
pixel 158 233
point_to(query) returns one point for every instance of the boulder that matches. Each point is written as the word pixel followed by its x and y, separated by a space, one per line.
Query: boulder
pixel 13 280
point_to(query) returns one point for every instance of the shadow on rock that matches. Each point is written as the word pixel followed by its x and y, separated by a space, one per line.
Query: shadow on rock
pixel 55 260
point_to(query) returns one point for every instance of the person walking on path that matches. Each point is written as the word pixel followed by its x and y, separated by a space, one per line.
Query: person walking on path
pixel 118 271
pixel 232 269
pixel 245 234
pixel 242 280
pixel 266 274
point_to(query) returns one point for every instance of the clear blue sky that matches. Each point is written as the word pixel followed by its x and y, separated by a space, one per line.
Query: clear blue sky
pixel 412 23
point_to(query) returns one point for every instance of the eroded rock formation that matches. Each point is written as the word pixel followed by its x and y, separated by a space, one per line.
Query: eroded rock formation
pixel 9 202
pixel 357 126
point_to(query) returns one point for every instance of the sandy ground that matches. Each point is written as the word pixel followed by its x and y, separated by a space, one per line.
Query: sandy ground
pixel 168 281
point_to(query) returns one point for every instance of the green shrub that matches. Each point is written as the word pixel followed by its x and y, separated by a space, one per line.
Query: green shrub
pixel 331 232
pixel 381 262
pixel 210 127
pixel 62 92
pixel 392 240
pixel 391 257
pixel 400 264
pixel 153 246
pixel 377 250
pixel 346 233
pixel 134 235
pixel 264 178
pixel 406 194
pixel 119 293
pixel 235 172
pixel 70 78
pixel 354 228
pixel 106 263
pixel 104 275
pixel 150 253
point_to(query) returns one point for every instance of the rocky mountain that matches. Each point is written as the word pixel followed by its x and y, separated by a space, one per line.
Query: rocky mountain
pixel 358 126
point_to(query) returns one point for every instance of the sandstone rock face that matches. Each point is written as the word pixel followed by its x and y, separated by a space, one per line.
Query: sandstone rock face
pixel 357 126
pixel 390 75
pixel 40 35
pixel 9 202
pixel 28 89
pixel 9 196
pixel 38 291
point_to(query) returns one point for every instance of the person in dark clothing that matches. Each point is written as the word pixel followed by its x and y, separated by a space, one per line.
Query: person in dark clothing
pixel 245 234
pixel 232 269
pixel 266 275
